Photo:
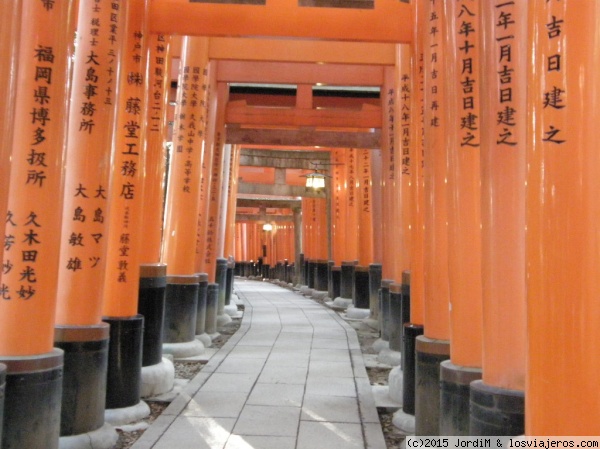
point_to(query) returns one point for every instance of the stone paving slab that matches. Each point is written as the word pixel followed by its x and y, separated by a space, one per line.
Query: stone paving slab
pixel 292 377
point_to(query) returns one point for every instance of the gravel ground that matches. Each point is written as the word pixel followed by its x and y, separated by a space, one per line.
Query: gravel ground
pixel 379 376
pixel 187 370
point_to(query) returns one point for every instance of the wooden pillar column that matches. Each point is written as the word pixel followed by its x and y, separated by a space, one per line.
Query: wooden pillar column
pixel 388 178
pixel 365 208
pixel 126 186
pixel 80 331
pixel 31 220
pixel 225 201
pixel 153 280
pixel 240 251
pixel 156 151
pixel 298 243
pixel 126 230
pixel 433 347
pixel 9 39
pixel 230 249
pixel 417 180
pixel 563 219
pixel 206 173
pixel 352 202
pixel 211 238
pixel 338 201
pixel 464 214
pixel 307 228
pixel 181 215
pixel 322 229
pixel 181 218
pixel 503 150
pixel 409 207
pixel 403 191
pixel 376 203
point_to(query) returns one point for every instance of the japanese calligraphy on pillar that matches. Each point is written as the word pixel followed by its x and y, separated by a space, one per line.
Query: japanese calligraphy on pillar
pixel 508 111
pixel 23 241
pixel 434 87
pixel 552 40
pixel 129 157
pixel 338 181
pixel 351 177
pixel 34 188
pixel 156 136
pixel 112 53
pixel 365 177
pixel 37 155
pixel 212 224
pixel 391 115
pixel 158 85
pixel 91 112
pixel 338 204
pixel 190 122
pixel 467 36
pixel 203 188
pixel 405 121
pixel 421 83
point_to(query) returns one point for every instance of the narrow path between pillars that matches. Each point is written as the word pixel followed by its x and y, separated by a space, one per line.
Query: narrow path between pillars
pixel 292 377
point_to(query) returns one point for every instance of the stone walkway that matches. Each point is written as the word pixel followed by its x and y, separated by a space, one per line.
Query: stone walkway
pixel 292 377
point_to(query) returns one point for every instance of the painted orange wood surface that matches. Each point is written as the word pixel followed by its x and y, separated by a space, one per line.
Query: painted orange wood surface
pixel 464 182
pixel 417 245
pixel 338 205
pixel 389 21
pixel 33 211
pixel 126 194
pixel 92 115
pixel 390 111
pixel 9 38
pixel 217 143
pixel 156 152
pixel 503 169
pixel 365 208
pixel 563 216
pixel 437 322
pixel 181 217
pixel 402 166
pixel 352 199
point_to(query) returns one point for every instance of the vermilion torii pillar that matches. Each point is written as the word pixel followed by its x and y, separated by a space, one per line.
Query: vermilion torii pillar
pixel 125 232
pixel 503 168
pixel 338 204
pixel 409 172
pixel 206 175
pixel 352 201
pixel 403 141
pixel 396 166
pixel 214 238
pixel 9 22
pixel 463 126
pixel 28 287
pixel 365 208
pixel 232 189
pixel 181 218
pixel 156 151
pixel 82 262
pixel 185 167
pixel 157 373
pixel 216 141
pixel 433 347
pixel 309 220
pixel 563 219
pixel 416 152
